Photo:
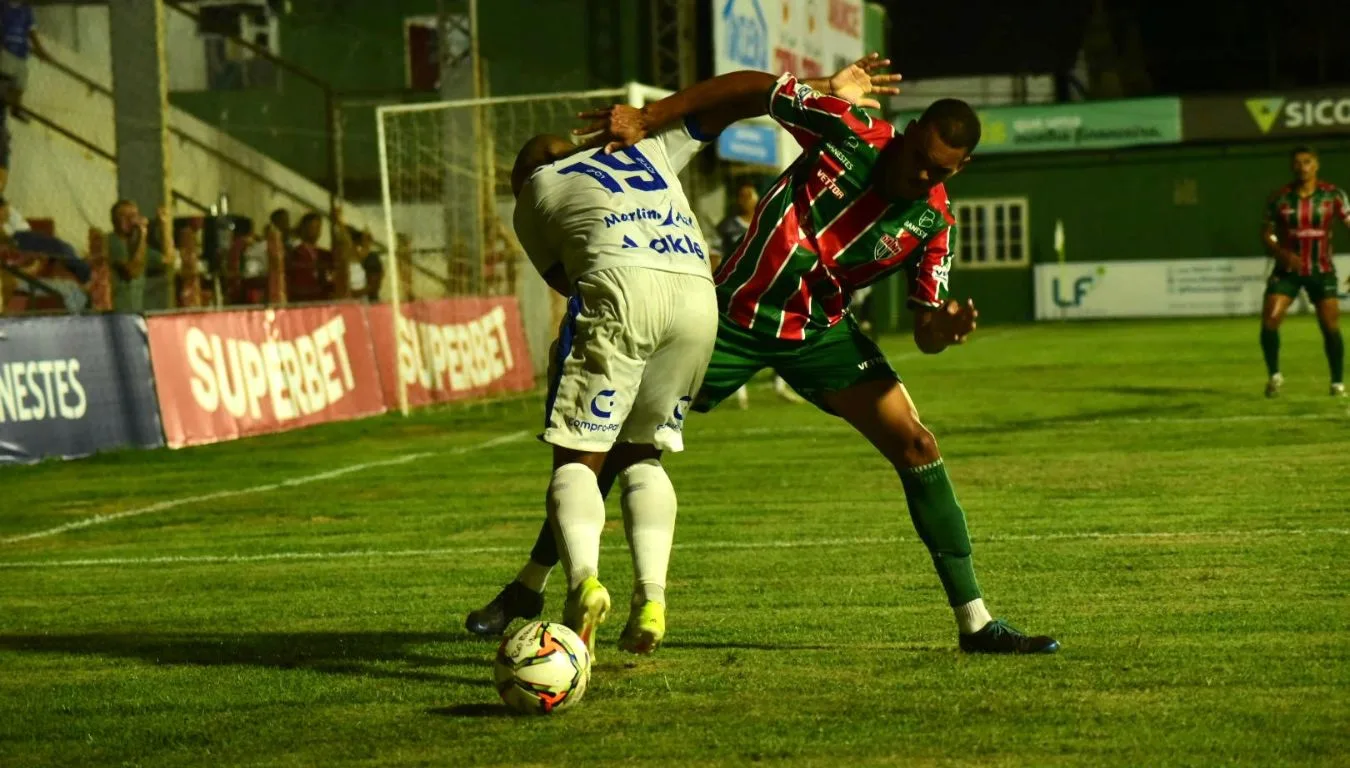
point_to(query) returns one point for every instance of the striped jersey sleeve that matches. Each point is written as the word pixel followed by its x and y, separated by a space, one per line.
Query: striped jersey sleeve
pixel 808 114
pixel 930 272
pixel 1342 205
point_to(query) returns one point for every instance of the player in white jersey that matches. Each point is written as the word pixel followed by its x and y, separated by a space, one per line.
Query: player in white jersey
pixel 615 232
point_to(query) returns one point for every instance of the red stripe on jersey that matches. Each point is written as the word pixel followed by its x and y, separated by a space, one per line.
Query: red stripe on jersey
pixel 833 301
pixel 928 286
pixel 796 311
pixel 1305 244
pixel 756 222
pixel 875 132
pixel 1324 221
pixel 823 179
pixel 849 225
pixel 774 256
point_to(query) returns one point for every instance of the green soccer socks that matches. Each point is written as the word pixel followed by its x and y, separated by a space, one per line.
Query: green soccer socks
pixel 941 524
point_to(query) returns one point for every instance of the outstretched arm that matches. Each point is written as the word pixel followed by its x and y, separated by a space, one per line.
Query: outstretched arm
pixel 717 103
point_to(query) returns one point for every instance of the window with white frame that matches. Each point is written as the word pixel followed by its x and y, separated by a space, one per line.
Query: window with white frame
pixel 992 232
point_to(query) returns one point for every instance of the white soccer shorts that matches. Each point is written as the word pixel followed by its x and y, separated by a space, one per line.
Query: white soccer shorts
pixel 630 357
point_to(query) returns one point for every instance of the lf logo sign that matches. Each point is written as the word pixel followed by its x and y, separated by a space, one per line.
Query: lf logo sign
pixel 1081 287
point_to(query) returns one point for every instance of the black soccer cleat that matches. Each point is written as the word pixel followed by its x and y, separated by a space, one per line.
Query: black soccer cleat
pixel 1000 637
pixel 515 601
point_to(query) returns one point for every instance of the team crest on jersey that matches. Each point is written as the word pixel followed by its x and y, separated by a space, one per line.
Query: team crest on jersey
pixel 887 246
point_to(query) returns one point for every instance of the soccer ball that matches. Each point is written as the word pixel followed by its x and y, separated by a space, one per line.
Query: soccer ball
pixel 542 668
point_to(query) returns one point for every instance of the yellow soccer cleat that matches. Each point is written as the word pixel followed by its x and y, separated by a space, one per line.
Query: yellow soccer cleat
pixel 586 609
pixel 646 626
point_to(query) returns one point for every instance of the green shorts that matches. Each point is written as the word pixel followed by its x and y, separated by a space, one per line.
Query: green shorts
pixel 827 361
pixel 1319 287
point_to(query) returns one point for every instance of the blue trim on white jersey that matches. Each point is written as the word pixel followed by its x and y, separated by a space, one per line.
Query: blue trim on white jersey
pixel 691 125
pixel 567 338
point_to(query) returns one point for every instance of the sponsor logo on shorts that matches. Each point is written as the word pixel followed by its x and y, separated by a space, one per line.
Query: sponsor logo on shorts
pixel 602 405
pixel 681 409
pixel 581 425
pixel 1308 232
pixel 873 363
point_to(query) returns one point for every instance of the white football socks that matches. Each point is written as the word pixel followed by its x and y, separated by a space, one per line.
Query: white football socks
pixel 577 512
pixel 534 576
pixel 649 508
pixel 972 616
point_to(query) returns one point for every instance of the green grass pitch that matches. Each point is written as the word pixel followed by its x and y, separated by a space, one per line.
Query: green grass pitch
pixel 1128 490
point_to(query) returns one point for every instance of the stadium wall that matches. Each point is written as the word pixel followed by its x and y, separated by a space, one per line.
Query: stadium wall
pixel 1174 202
pixel 359 50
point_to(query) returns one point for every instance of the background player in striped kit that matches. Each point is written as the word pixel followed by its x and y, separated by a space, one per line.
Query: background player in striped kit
pixel 1297 233
pixel 861 202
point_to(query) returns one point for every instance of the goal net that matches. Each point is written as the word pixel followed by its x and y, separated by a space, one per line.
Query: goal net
pixel 446 175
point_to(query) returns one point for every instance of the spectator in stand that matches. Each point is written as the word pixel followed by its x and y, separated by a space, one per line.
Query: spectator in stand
pixel 280 219
pixel 62 268
pixel 309 268
pixel 18 36
pixel 254 266
pixel 16 228
pixel 367 268
pixel 130 256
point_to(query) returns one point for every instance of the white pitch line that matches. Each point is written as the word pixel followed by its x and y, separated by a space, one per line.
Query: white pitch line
pixel 216 495
pixel 839 427
pixel 377 554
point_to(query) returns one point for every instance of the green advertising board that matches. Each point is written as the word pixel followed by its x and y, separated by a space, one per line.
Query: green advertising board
pixel 1075 125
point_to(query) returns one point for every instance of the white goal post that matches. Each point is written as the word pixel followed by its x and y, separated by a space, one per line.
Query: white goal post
pixel 445 170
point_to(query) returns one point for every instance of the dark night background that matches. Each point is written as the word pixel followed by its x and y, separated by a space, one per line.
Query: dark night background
pixel 1132 47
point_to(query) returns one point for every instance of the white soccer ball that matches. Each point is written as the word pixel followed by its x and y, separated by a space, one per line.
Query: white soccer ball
pixel 542 668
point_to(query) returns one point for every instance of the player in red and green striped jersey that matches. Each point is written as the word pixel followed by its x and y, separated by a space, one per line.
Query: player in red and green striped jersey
pixel 862 202
pixel 1296 232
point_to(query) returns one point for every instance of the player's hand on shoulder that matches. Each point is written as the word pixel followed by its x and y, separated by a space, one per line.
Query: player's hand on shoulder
pixel 615 127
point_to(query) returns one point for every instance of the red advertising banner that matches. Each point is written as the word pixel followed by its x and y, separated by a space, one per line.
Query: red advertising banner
pixel 226 375
pixel 452 349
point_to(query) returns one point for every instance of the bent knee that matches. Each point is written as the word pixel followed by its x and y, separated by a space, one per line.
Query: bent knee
pixel 916 449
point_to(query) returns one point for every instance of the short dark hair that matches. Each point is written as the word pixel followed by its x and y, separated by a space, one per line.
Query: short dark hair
pixel 307 218
pixel 539 150
pixel 278 213
pixel 956 122
pixel 1301 149
pixel 112 213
